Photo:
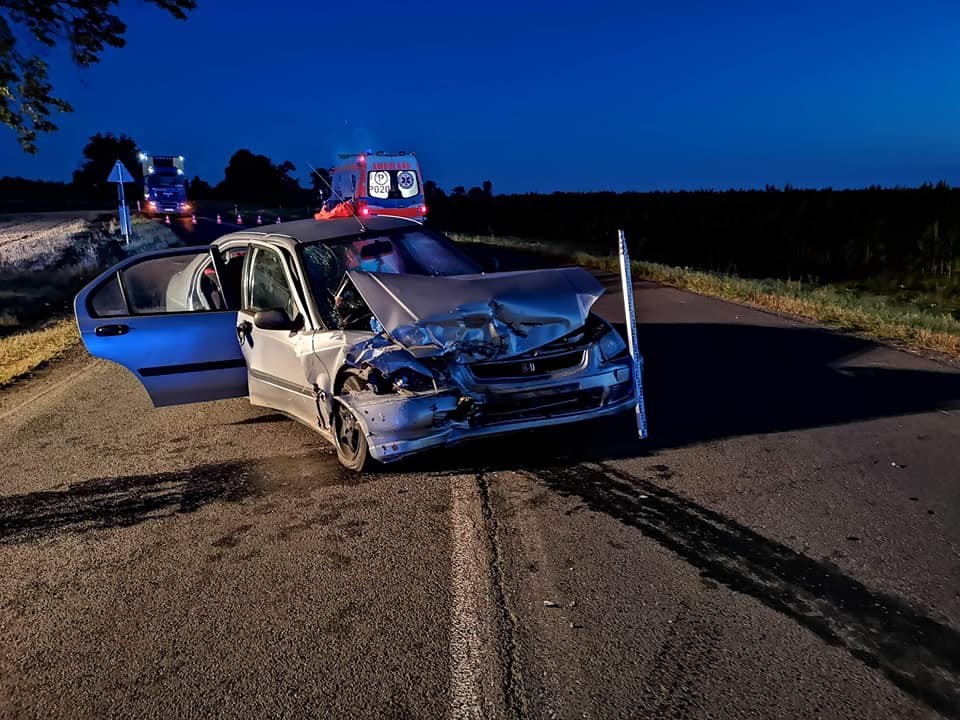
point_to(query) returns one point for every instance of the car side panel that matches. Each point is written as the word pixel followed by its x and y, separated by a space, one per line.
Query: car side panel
pixel 179 357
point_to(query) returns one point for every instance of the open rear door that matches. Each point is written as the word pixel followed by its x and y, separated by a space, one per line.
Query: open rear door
pixel 164 316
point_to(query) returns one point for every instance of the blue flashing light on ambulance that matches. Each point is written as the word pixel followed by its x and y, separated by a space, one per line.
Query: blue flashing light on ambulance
pixel 380 183
pixel 164 185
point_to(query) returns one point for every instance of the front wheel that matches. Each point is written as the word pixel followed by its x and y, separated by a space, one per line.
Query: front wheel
pixel 353 451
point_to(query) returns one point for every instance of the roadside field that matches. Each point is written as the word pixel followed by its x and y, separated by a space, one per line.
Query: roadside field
pixel 36 243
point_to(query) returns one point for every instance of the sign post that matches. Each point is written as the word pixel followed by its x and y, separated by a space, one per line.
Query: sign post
pixel 120 175
pixel 631 315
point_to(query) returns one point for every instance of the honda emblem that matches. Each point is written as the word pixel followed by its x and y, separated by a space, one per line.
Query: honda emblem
pixel 528 368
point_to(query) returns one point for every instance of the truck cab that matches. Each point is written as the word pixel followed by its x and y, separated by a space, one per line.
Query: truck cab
pixel 380 183
pixel 164 185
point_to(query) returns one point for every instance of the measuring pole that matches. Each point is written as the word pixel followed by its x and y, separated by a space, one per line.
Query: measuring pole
pixel 627 284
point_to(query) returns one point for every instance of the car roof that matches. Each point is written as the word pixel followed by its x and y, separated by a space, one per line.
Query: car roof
pixel 305 231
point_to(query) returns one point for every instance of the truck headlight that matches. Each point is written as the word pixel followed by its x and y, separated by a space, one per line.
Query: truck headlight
pixel 611 345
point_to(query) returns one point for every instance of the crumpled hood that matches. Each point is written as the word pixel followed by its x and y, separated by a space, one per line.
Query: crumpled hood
pixel 479 317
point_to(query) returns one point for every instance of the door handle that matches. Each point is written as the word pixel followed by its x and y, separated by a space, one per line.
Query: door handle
pixel 111 330
pixel 243 330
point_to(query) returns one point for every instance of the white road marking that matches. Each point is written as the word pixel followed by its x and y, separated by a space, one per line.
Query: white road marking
pixel 470 577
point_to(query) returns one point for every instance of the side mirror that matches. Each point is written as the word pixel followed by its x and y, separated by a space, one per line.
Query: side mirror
pixel 276 319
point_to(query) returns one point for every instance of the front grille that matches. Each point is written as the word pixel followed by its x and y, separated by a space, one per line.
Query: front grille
pixel 531 367
pixel 562 400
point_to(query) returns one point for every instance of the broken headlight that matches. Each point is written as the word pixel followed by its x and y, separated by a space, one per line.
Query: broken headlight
pixel 611 345
pixel 411 380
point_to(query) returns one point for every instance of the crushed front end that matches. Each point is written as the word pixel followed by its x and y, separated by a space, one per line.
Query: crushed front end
pixel 466 361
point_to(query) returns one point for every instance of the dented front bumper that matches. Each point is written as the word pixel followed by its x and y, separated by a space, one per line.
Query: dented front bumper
pixel 400 425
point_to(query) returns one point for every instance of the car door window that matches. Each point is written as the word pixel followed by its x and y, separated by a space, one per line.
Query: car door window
pixel 206 291
pixel 156 285
pixel 160 285
pixel 268 288
pixel 231 272
pixel 107 300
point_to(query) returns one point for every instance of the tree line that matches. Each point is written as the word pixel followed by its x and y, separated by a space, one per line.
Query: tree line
pixel 247 178
pixel 821 235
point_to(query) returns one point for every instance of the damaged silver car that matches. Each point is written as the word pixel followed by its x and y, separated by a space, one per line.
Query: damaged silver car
pixel 384 337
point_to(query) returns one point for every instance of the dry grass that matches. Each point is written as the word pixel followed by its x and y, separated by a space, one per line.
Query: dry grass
pixel 25 352
pixel 873 316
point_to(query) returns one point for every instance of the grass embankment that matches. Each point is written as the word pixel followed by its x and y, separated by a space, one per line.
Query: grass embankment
pixel 846 309
pixel 36 319
pixel 24 352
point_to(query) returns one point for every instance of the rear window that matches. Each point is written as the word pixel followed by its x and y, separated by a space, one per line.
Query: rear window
pixel 393 184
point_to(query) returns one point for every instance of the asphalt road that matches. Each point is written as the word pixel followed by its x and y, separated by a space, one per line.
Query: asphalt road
pixel 786 544
pixel 207 229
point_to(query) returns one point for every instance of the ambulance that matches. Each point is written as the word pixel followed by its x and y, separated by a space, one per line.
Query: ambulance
pixel 379 183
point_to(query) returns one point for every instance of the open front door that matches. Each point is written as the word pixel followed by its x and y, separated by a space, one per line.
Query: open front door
pixel 165 317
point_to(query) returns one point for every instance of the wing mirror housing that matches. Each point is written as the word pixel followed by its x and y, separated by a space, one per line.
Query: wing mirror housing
pixel 276 319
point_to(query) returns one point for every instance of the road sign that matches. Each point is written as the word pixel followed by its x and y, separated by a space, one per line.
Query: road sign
pixel 119 174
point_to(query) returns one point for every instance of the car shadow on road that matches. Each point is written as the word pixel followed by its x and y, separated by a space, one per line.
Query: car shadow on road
pixel 708 381
pixel 262 419
pixel 111 502
pixel 119 501
pixel 705 382
pixel 920 655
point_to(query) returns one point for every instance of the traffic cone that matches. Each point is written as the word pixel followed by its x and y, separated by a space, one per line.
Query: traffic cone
pixel 239 219
pixel 193 219
pixel 219 221
pixel 259 221
pixel 166 219
pixel 278 219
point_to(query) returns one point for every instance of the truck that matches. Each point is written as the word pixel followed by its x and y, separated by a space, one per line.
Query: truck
pixel 379 183
pixel 164 185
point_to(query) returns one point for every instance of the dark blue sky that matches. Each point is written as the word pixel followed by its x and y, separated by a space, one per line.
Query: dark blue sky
pixel 535 96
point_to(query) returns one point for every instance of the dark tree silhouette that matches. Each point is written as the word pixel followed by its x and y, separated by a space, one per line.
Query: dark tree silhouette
pixel 433 193
pixel 251 178
pixel 199 189
pixel 87 27
pixel 100 153
pixel 487 188
pixel 22 195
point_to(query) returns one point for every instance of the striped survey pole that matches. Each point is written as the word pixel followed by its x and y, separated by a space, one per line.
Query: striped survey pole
pixel 631 315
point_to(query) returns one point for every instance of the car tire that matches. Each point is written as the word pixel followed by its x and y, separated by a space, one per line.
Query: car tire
pixel 353 451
